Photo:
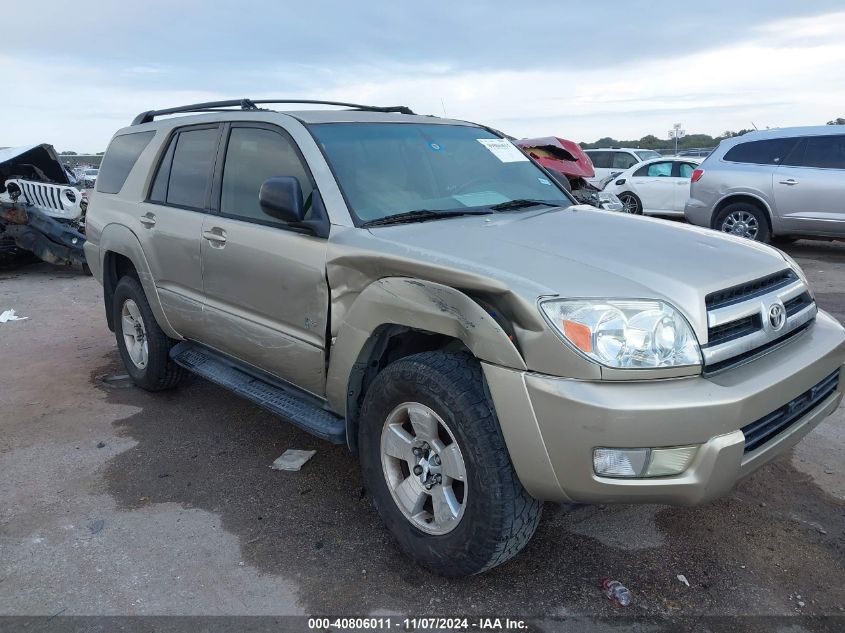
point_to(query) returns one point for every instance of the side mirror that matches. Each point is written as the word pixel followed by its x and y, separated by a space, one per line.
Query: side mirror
pixel 281 198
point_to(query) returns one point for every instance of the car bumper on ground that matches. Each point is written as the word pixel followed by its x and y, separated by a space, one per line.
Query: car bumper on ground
pixel 551 425
pixel 698 213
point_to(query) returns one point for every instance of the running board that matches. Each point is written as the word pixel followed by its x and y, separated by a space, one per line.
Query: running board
pixel 302 410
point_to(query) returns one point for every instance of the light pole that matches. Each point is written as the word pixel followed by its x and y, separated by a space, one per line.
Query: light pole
pixel 676 133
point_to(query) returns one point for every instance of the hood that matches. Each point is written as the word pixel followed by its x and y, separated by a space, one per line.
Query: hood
pixel 32 162
pixel 560 155
pixel 582 252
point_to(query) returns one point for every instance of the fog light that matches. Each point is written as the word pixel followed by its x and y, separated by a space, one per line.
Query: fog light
pixel 642 462
pixel 670 461
pixel 620 462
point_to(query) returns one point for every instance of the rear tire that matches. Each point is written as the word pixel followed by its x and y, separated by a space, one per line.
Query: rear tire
pixel 744 219
pixel 143 345
pixel 490 516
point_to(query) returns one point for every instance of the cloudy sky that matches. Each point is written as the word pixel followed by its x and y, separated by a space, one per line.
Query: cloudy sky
pixel 80 70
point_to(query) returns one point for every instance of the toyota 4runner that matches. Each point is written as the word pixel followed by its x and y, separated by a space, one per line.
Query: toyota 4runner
pixel 420 290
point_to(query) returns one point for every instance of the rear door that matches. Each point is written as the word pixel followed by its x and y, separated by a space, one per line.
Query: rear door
pixel 170 221
pixel 809 186
pixel 681 177
pixel 266 295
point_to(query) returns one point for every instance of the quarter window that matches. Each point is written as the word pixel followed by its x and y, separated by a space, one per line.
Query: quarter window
pixel 120 158
pixel 767 152
pixel 253 155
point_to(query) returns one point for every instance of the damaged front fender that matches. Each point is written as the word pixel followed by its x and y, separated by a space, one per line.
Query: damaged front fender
pixel 419 305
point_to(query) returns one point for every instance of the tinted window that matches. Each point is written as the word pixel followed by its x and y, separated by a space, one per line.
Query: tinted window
pixel 252 156
pixel 825 151
pixel 768 152
pixel 601 160
pixel 191 168
pixel 623 160
pixel 120 158
pixel 685 170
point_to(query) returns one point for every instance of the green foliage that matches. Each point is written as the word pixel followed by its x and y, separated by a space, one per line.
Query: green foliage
pixel 837 121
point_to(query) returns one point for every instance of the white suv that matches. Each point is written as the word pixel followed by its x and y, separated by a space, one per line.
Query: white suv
pixel 611 161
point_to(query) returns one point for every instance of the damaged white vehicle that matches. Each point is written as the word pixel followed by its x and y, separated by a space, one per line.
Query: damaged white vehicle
pixel 41 209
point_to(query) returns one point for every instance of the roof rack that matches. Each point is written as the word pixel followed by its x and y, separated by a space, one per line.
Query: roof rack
pixel 252 105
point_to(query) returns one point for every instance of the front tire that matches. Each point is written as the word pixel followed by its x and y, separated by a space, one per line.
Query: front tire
pixel 437 467
pixel 744 220
pixel 143 345
pixel 631 203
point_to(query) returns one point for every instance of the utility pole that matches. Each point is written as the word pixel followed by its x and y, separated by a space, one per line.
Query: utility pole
pixel 677 133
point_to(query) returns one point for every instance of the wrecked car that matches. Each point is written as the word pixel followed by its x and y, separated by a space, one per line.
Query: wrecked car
pixel 417 289
pixel 571 167
pixel 41 209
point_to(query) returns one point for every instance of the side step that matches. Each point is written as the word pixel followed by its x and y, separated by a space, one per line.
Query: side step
pixel 299 408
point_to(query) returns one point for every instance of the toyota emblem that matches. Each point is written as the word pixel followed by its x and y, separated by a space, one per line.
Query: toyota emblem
pixel 777 316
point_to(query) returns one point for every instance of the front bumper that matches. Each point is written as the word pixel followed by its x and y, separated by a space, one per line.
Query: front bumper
pixel 551 425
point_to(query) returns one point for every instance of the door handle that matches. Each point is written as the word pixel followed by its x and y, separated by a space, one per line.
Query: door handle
pixel 789 181
pixel 216 236
pixel 148 220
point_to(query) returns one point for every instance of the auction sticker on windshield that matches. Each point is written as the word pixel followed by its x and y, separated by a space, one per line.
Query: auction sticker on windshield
pixel 502 149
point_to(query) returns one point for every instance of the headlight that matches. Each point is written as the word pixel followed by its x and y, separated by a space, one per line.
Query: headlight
pixel 625 333
pixel 609 201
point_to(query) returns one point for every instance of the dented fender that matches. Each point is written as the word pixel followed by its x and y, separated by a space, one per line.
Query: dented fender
pixel 420 305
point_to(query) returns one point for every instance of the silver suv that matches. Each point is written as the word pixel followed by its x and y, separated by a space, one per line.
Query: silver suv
pixel 419 290
pixel 769 184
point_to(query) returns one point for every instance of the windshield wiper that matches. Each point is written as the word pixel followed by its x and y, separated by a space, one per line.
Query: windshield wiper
pixel 520 203
pixel 421 215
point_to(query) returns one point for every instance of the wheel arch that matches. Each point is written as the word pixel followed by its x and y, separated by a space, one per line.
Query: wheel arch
pixel 121 253
pixel 395 317
pixel 748 198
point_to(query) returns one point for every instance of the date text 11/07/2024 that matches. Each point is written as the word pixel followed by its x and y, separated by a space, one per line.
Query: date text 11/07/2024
pixel 417 624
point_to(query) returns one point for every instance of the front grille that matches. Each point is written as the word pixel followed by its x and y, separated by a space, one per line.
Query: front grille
pixel 734 329
pixel 794 306
pixel 759 432
pixel 743 292
pixel 739 359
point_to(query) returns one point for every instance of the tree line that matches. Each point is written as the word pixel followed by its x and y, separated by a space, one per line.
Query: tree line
pixel 691 140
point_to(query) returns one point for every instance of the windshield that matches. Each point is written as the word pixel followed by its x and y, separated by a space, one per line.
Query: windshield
pixel 92 172
pixel 648 155
pixel 385 169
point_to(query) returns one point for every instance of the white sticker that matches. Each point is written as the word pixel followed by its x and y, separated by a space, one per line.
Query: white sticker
pixel 503 149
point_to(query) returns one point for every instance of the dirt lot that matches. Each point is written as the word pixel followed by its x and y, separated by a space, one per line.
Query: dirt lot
pixel 117 501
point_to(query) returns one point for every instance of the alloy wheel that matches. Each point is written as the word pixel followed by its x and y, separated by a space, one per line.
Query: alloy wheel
pixel 424 468
pixel 134 334
pixel 741 223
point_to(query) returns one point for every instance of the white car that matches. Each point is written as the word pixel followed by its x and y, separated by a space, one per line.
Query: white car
pixel 89 177
pixel 610 161
pixel 655 187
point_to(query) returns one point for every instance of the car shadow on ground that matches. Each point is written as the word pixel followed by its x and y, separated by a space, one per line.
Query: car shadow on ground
pixel 200 447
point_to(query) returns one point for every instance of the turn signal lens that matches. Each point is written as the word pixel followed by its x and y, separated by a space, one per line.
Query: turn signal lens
pixel 579 334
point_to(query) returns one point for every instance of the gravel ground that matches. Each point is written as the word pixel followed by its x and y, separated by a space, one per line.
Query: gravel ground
pixel 117 501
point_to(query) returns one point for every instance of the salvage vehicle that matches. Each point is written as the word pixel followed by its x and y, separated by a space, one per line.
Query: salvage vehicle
pixel 659 186
pixel 41 210
pixel 778 184
pixel 571 167
pixel 418 289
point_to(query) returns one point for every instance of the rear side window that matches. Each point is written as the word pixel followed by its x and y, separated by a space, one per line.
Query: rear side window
pixel 827 152
pixel 622 160
pixel 601 160
pixel 685 170
pixel 767 152
pixel 190 171
pixel 655 170
pixel 120 158
pixel 252 156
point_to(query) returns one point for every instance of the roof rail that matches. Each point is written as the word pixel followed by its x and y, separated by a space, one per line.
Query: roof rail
pixel 252 105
